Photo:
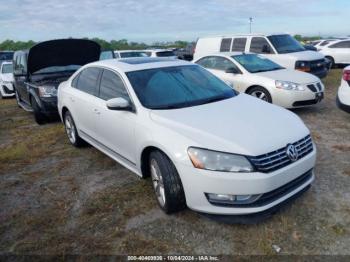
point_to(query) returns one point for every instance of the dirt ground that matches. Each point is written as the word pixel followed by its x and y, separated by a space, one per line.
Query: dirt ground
pixel 56 199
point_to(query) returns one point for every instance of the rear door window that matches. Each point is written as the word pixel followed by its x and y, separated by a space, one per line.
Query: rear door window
pixel 112 86
pixel 257 45
pixel 88 80
pixel 239 44
pixel 225 45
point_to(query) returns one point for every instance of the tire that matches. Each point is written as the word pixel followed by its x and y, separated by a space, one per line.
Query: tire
pixel 332 65
pixel 71 131
pixel 166 183
pixel 261 93
pixel 39 117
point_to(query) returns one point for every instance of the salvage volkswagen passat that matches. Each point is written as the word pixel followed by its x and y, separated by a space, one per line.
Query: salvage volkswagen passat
pixel 204 145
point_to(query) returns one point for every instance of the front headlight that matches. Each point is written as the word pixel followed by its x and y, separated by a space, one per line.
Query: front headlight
pixel 47 91
pixel 218 161
pixel 286 85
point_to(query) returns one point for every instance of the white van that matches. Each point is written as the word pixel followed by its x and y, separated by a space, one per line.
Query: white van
pixel 283 49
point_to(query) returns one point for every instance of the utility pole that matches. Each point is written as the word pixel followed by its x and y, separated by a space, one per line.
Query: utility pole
pixel 250 24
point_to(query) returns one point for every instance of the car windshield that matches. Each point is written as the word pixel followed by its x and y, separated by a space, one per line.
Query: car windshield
pixel 7 69
pixel 57 69
pixel 6 55
pixel 255 63
pixel 165 53
pixel 285 44
pixel 132 54
pixel 178 87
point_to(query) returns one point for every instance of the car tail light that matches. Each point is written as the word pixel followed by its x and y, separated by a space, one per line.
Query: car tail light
pixel 346 75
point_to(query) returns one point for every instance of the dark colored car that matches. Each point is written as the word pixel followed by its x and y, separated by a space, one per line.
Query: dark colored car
pixel 39 70
pixel 186 53
pixel 310 47
pixel 6 56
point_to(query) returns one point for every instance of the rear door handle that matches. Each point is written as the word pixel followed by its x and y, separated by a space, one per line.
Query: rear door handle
pixel 97 112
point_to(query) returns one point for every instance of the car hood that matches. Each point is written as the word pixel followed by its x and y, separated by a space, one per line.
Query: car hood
pixel 242 125
pixel 7 77
pixel 305 55
pixel 290 75
pixel 62 52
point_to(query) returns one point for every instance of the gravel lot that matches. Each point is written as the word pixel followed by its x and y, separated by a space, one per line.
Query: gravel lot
pixel 56 199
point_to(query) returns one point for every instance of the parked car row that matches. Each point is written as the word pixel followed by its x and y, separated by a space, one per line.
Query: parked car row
pixel 182 123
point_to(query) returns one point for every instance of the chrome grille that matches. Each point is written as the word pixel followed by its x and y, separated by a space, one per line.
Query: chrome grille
pixel 277 159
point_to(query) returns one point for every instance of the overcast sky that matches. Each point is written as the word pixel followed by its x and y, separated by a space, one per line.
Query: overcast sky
pixel 162 20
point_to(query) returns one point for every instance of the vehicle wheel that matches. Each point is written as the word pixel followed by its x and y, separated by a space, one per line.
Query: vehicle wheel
pixel 18 100
pixel 166 183
pixel 1 95
pixel 71 130
pixel 39 117
pixel 261 93
pixel 332 64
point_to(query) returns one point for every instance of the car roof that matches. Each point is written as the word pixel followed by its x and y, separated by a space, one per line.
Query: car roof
pixel 124 51
pixel 139 63
pixel 6 63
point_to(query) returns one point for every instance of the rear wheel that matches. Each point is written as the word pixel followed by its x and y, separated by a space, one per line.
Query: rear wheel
pixel 71 130
pixel 166 183
pixel 261 93
pixel 332 64
pixel 39 117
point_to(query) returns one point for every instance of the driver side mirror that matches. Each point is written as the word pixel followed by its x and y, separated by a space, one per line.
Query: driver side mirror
pixel 232 70
pixel 119 104
pixel 266 49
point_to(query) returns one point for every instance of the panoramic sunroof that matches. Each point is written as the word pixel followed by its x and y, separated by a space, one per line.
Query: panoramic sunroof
pixel 144 60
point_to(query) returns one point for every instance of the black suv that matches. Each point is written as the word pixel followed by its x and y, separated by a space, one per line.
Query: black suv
pixel 39 70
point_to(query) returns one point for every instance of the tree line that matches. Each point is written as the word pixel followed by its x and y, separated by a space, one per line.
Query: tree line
pixel 122 44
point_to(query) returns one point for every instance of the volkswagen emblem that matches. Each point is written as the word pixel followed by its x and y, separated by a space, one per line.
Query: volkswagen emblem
pixel 292 153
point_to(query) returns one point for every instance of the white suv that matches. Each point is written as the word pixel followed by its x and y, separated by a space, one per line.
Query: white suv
pixel 203 144
pixel 338 52
pixel 283 49
pixel 264 79
pixel 343 97
pixel 6 80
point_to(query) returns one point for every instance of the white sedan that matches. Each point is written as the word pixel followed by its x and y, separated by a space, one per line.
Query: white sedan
pixel 6 80
pixel 204 145
pixel 264 79
pixel 343 97
pixel 338 51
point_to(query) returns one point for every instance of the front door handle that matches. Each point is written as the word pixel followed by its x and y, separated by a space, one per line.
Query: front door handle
pixel 72 99
pixel 97 112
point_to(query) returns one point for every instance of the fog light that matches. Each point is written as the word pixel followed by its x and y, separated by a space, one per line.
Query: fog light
pixel 226 199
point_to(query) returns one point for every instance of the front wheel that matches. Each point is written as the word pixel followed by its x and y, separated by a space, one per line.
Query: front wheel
pixel 39 117
pixel 166 183
pixel 261 93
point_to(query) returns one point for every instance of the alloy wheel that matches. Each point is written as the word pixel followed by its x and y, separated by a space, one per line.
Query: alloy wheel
pixel 157 181
pixel 70 129
pixel 259 94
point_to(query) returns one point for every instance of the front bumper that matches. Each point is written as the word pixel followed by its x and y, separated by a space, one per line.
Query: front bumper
pixel 7 90
pixel 197 182
pixel 49 106
pixel 296 99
